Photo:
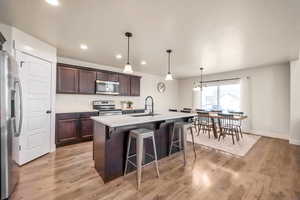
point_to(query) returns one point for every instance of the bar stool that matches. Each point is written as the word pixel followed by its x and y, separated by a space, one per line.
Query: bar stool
pixel 141 134
pixel 182 127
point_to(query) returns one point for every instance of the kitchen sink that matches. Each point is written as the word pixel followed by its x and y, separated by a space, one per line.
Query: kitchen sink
pixel 144 115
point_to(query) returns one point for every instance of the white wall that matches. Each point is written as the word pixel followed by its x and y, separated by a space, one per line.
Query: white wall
pixel 270 97
pixel 162 101
pixel 295 103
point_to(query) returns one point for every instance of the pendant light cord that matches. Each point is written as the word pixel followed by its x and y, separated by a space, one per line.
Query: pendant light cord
pixel 169 63
pixel 128 52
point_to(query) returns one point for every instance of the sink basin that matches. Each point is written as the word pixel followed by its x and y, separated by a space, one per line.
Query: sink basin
pixel 144 115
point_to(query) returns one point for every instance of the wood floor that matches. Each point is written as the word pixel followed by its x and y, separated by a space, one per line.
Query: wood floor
pixel 270 171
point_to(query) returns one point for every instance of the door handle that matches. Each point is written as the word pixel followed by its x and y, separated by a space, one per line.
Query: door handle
pixel 17 130
pixel 48 111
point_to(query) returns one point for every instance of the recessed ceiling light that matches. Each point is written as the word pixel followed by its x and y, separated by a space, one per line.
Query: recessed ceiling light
pixel 118 56
pixel 53 2
pixel 27 48
pixel 83 46
pixel 143 62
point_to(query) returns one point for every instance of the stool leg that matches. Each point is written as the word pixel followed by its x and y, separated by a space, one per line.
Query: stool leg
pixel 184 143
pixel 192 134
pixel 172 138
pixel 155 155
pixel 139 159
pixel 127 155
pixel 180 138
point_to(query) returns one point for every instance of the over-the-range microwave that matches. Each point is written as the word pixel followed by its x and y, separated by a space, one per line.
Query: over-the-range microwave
pixel 107 87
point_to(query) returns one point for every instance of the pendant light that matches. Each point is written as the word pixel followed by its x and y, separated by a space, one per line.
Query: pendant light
pixel 128 67
pixel 198 85
pixel 201 81
pixel 169 75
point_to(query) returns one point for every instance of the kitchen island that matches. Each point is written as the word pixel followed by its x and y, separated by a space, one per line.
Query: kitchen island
pixel 111 136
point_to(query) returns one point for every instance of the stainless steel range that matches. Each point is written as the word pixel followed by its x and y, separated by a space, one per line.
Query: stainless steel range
pixel 106 107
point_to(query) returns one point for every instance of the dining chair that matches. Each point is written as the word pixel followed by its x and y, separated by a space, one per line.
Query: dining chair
pixel 238 123
pixel 204 123
pixel 227 127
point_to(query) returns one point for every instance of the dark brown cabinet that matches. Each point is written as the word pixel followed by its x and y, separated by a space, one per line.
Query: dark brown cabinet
pixel 86 128
pixel 81 80
pixel 113 77
pixel 124 81
pixel 72 128
pixel 135 86
pixel 67 79
pixel 87 80
pixel 68 130
pixel 102 76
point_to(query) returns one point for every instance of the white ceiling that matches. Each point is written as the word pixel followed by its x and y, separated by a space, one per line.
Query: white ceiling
pixel 220 35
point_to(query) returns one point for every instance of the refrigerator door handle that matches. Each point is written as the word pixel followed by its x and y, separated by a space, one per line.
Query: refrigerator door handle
pixel 18 86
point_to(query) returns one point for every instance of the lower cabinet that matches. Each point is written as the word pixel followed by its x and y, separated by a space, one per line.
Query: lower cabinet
pixel 73 128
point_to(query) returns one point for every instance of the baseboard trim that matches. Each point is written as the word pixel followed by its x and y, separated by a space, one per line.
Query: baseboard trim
pixel 294 141
pixel 269 134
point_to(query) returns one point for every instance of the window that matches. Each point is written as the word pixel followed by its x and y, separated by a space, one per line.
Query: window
pixel 222 97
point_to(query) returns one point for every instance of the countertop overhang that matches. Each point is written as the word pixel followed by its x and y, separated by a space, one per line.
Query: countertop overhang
pixel 115 121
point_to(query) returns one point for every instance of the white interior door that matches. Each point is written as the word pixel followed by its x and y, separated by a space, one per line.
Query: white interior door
pixel 35 75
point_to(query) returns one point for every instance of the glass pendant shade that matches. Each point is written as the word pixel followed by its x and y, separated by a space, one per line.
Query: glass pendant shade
pixel 169 77
pixel 128 69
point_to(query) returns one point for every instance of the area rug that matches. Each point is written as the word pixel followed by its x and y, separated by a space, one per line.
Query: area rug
pixel 225 145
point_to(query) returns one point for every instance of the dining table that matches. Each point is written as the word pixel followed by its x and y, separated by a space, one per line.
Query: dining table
pixel 215 117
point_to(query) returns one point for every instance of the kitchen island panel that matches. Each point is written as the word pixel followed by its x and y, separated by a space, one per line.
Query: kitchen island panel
pixel 110 145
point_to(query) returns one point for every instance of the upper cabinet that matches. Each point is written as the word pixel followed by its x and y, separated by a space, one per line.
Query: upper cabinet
pixel 107 76
pixel 135 85
pixel 124 81
pixel 102 76
pixel 113 77
pixel 87 80
pixel 81 80
pixel 67 79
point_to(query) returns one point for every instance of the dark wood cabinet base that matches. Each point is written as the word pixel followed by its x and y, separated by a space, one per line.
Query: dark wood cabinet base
pixel 72 128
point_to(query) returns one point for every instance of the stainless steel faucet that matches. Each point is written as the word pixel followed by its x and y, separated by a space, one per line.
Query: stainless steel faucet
pixel 151 104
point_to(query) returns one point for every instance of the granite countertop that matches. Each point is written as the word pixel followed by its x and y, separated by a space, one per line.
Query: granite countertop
pixel 127 120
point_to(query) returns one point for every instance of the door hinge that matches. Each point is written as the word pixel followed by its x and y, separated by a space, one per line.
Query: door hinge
pixel 20 148
pixel 21 63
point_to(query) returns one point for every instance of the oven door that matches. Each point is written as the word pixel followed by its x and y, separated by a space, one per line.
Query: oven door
pixel 107 87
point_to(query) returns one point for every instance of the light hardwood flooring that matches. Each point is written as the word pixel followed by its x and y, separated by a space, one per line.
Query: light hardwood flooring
pixel 270 171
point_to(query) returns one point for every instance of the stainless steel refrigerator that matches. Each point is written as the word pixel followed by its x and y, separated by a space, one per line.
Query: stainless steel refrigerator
pixel 11 121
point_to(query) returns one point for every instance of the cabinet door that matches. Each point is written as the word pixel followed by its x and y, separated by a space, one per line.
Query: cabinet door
pixel 87 80
pixel 113 77
pixel 102 76
pixel 67 80
pixel 67 131
pixel 86 128
pixel 124 85
pixel 135 86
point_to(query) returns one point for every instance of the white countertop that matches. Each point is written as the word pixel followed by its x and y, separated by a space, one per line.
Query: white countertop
pixel 75 111
pixel 127 120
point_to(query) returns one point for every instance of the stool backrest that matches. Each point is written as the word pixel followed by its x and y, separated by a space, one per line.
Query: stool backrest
pixel 186 110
